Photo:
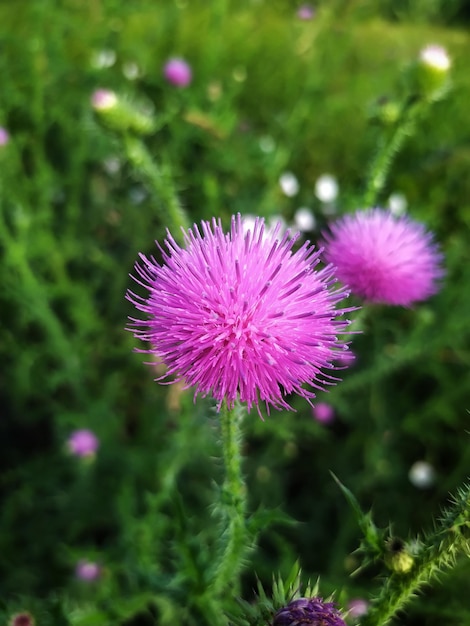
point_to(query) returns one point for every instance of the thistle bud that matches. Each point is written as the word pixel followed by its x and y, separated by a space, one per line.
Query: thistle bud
pixel 432 72
pixel 119 114
pixel 308 612
pixel 385 111
pixel 397 557
pixel 21 619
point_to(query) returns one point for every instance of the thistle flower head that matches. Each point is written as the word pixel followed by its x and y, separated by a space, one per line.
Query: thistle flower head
pixel 21 619
pixel 433 70
pixel 83 443
pixel 87 571
pixel 357 607
pixel 241 315
pixel 384 258
pixel 308 612
pixel 177 72
pixel 306 12
pixel 4 136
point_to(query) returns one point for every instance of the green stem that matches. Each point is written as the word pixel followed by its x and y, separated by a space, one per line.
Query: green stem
pixel 383 161
pixel 233 505
pixel 439 552
pixel 172 213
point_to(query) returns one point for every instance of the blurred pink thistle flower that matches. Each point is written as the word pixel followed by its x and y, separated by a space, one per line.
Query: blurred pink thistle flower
pixel 87 571
pixel 357 607
pixel 83 443
pixel 384 258
pixel 323 412
pixel 306 12
pixel 4 136
pixel 241 315
pixel 21 619
pixel 177 72
pixel 103 99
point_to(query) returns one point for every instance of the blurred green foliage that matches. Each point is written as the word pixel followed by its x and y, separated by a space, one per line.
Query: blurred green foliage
pixel 271 93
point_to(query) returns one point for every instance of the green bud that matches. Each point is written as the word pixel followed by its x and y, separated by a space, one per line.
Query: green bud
pixel 385 111
pixel 432 72
pixel 397 557
pixel 121 115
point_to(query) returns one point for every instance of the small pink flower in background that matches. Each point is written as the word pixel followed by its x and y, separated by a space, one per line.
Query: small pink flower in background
pixel 4 136
pixel 83 443
pixel 306 12
pixel 384 258
pixel 323 412
pixel 357 607
pixel 103 99
pixel 177 72
pixel 87 571
pixel 21 619
pixel 241 315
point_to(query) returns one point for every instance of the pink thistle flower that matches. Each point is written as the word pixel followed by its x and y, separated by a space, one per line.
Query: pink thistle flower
pixel 87 571
pixel 21 619
pixel 310 612
pixel 83 443
pixel 177 72
pixel 323 412
pixel 241 315
pixel 4 136
pixel 357 607
pixel 306 12
pixel 103 100
pixel 384 258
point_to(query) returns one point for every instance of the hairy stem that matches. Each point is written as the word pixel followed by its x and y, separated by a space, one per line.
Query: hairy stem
pixel 438 552
pixel 383 161
pixel 233 505
pixel 171 211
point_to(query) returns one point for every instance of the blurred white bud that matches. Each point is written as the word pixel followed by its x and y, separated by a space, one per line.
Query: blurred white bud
pixel 304 220
pixel 103 59
pixel 267 144
pixel 131 70
pixel 397 203
pixel 326 188
pixel 435 57
pixel 422 474
pixel 112 165
pixel 289 184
